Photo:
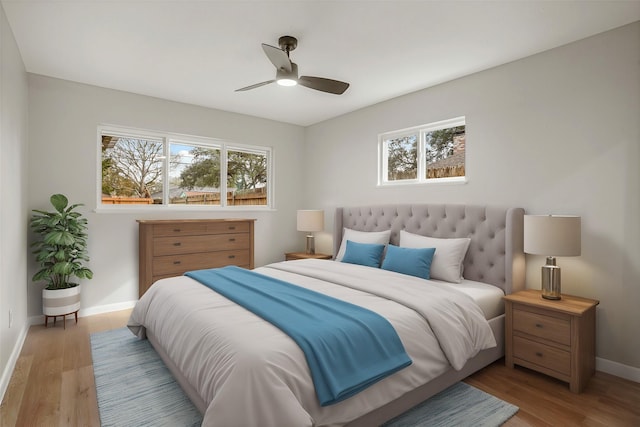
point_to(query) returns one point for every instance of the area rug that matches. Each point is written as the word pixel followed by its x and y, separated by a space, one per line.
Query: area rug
pixel 135 388
pixel 133 385
pixel 460 405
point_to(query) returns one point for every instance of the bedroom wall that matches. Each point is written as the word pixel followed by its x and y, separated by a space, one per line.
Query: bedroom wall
pixel 555 133
pixel 13 191
pixel 63 136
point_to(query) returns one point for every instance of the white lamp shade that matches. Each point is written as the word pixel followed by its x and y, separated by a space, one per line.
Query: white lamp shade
pixel 310 220
pixel 552 235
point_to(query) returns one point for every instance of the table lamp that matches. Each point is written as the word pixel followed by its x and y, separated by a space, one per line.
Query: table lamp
pixel 552 236
pixel 310 221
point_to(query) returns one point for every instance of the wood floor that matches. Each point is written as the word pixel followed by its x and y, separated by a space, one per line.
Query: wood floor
pixel 53 385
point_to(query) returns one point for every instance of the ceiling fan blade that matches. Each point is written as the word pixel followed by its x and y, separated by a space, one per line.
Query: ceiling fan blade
pixel 277 56
pixel 324 85
pixel 254 86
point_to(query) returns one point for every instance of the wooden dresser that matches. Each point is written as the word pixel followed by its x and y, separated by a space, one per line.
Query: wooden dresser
pixel 555 337
pixel 171 247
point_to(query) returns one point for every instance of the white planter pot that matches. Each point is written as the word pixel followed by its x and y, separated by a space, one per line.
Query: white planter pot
pixel 60 301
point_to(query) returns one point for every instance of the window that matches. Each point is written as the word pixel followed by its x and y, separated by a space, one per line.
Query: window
pixel 430 153
pixel 151 168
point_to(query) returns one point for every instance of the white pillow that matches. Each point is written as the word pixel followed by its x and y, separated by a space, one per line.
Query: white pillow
pixel 448 260
pixel 380 237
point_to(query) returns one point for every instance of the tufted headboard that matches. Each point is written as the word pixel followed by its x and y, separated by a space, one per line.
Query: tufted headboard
pixel 495 254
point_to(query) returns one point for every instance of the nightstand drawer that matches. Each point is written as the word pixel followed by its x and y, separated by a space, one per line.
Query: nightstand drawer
pixel 290 256
pixel 542 355
pixel 555 329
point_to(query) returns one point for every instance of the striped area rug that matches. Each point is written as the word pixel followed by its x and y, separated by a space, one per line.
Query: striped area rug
pixel 135 388
pixel 461 405
pixel 133 385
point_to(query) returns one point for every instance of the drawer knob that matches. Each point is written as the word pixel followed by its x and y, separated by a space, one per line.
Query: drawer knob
pixel 538 354
pixel 232 256
pixel 176 230
pixel 232 227
pixel 177 244
pixel 539 325
pixel 232 240
pixel 176 262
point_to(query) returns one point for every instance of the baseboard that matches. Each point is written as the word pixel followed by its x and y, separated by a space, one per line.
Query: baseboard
pixel 13 359
pixel 627 372
pixel 107 308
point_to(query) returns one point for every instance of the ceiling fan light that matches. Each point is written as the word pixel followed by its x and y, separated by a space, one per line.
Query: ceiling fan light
pixel 287 82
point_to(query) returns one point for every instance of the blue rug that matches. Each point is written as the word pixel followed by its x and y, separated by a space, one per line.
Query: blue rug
pixel 460 405
pixel 135 388
pixel 133 385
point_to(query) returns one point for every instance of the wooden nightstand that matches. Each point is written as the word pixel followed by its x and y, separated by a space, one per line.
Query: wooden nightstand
pixel 303 255
pixel 555 337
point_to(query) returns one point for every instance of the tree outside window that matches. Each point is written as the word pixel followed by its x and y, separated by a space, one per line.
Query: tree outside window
pixel 430 153
pixel 166 170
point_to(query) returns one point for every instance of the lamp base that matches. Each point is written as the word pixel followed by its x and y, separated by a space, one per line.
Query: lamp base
pixel 310 244
pixel 551 280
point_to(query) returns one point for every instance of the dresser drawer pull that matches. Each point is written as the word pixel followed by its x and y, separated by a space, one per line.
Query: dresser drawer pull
pixel 232 240
pixel 177 244
pixel 539 354
pixel 176 262
pixel 176 230
pixel 538 325
pixel 232 227
pixel 231 256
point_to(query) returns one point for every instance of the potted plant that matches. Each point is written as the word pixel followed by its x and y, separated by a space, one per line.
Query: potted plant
pixel 61 253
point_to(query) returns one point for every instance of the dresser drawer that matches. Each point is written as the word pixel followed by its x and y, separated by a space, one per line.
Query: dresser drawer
pixel 167 276
pixel 176 245
pixel 557 329
pixel 228 227
pixel 542 355
pixel 178 264
pixel 179 229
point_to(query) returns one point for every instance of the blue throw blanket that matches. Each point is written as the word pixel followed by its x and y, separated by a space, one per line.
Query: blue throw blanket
pixel 347 347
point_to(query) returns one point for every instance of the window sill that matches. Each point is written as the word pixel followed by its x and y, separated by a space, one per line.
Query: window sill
pixel 146 209
pixel 458 180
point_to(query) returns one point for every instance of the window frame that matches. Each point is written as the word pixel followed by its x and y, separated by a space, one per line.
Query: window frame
pixel 168 138
pixel 419 131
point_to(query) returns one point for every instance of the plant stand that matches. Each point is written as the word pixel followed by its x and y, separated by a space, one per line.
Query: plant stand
pixel 60 302
pixel 64 319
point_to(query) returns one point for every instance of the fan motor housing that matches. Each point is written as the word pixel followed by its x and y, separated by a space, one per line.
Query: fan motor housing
pixel 288 43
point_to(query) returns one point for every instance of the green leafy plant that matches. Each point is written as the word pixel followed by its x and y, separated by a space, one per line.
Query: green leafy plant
pixel 62 248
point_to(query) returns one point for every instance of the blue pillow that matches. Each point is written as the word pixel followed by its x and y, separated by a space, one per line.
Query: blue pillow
pixel 368 254
pixel 411 261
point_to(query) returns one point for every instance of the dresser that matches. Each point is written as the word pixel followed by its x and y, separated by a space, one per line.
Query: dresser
pixel 555 337
pixel 171 247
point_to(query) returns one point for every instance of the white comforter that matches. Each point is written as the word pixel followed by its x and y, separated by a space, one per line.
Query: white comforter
pixel 249 373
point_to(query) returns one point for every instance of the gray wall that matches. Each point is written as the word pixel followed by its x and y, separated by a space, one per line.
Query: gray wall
pixel 555 133
pixel 13 204
pixel 63 142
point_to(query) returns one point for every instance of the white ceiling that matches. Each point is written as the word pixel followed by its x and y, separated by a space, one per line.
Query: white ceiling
pixel 199 52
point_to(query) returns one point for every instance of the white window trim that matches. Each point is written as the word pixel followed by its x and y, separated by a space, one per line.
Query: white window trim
pixel 167 138
pixel 419 131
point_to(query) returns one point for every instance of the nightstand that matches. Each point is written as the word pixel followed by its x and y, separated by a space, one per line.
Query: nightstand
pixel 555 337
pixel 289 256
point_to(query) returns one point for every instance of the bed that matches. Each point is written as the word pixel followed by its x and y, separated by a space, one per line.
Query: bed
pixel 241 370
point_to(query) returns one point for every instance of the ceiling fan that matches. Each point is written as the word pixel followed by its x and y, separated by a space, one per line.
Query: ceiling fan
pixel 287 71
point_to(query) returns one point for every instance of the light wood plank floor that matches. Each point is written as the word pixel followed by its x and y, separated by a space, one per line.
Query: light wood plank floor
pixel 53 385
